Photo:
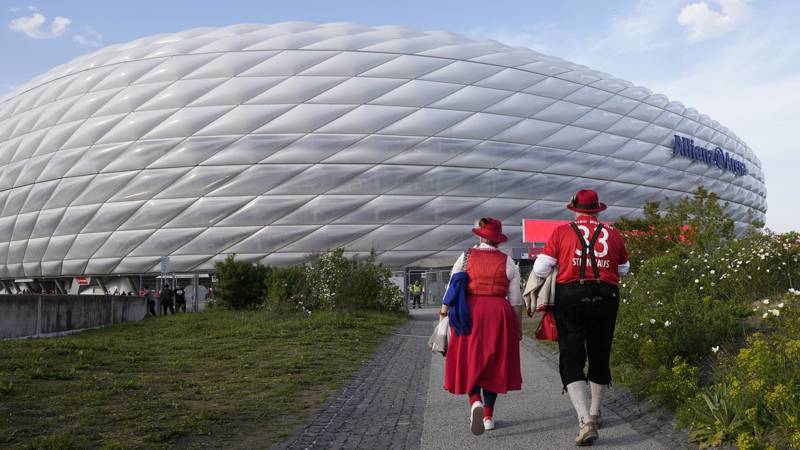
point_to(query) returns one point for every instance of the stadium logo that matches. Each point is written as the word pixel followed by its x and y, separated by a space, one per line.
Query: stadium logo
pixel 718 157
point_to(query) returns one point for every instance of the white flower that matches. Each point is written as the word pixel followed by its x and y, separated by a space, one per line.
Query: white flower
pixel 696 280
pixel 713 272
pixel 652 321
pixel 765 315
pixel 667 323
pixel 715 349
pixel 765 301
pixel 780 305
pixel 636 335
pixel 775 312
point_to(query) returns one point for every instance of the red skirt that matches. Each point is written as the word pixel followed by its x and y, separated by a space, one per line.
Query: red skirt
pixel 489 356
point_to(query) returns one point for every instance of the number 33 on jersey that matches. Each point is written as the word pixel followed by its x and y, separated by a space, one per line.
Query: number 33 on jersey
pixel 609 250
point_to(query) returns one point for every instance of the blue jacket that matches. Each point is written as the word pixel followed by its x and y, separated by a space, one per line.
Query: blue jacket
pixel 456 300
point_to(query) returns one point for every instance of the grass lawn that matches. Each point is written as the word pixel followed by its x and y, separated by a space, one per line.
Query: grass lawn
pixel 218 379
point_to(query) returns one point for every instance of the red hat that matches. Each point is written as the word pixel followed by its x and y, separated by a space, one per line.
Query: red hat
pixel 490 229
pixel 586 201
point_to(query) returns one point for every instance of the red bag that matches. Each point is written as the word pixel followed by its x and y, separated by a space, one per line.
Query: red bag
pixel 547 330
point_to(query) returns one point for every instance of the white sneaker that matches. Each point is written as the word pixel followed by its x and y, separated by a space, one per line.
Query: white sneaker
pixel 488 423
pixel 475 422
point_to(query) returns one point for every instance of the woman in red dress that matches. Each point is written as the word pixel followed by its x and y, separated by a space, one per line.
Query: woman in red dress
pixel 485 362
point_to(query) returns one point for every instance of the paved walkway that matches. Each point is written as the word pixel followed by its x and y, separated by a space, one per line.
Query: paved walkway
pixel 396 401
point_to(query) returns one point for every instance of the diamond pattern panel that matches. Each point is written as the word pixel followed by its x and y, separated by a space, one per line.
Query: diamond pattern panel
pixel 272 141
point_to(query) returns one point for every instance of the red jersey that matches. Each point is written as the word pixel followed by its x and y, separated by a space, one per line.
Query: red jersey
pixel 609 251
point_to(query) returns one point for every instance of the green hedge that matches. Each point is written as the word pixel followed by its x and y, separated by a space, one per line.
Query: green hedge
pixel 328 281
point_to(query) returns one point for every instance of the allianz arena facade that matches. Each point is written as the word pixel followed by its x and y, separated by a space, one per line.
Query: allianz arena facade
pixel 273 141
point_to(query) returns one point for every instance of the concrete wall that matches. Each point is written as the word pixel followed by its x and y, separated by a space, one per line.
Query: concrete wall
pixel 33 315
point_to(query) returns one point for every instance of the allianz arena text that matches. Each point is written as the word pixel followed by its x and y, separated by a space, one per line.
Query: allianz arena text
pixel 274 141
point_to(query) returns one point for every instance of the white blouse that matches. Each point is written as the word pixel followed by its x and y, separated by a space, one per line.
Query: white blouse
pixel 514 295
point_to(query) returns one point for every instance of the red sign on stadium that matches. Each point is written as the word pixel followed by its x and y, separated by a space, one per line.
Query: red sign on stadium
pixel 535 230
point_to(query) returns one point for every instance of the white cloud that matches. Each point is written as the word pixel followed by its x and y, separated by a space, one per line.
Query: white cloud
pixel 641 30
pixel 706 23
pixel 88 37
pixel 14 9
pixel 35 26
pixel 748 85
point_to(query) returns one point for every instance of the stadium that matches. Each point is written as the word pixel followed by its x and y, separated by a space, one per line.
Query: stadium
pixel 275 141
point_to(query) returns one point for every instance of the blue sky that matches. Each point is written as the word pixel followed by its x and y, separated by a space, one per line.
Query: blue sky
pixel 736 60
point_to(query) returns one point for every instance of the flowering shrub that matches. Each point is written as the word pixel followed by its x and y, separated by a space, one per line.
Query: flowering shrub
pixel 761 382
pixel 668 319
pixel 698 294
pixel 336 282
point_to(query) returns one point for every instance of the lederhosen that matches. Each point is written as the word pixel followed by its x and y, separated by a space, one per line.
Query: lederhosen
pixel 586 313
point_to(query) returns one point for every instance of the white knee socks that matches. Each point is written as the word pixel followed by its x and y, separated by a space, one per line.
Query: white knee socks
pixel 579 395
pixel 597 397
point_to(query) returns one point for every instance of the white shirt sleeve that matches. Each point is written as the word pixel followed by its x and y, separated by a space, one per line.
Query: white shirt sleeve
pixel 514 287
pixel 544 265
pixel 459 265
pixel 623 269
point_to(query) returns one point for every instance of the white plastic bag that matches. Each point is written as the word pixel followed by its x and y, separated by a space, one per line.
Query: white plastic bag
pixel 438 340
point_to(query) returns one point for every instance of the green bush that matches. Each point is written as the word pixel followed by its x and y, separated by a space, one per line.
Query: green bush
pixel 370 287
pixel 241 284
pixel 286 289
pixel 700 221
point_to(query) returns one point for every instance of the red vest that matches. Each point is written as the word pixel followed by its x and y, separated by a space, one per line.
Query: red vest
pixel 487 273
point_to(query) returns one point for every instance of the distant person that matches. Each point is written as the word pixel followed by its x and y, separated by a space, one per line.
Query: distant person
pixel 167 298
pixel 151 300
pixel 180 299
pixel 482 357
pixel 116 291
pixel 416 294
pixel 590 257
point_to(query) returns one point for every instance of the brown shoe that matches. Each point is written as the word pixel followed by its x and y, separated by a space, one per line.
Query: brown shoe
pixel 587 435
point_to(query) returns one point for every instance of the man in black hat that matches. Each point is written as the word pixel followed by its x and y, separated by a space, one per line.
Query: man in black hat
pixel 167 297
pixel 590 257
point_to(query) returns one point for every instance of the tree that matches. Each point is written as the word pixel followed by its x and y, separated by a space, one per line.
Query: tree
pixel 241 284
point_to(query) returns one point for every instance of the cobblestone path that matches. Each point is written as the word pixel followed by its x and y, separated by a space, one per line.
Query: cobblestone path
pixel 396 401
pixel 383 405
